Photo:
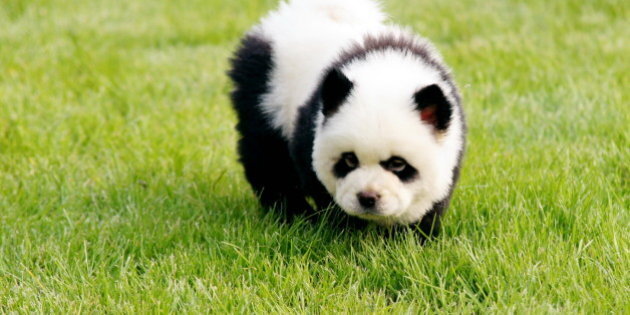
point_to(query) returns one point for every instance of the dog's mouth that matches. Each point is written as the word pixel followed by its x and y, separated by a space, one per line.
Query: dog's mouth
pixel 373 214
pixel 381 219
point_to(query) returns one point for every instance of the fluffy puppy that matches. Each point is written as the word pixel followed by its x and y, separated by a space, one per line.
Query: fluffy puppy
pixel 335 105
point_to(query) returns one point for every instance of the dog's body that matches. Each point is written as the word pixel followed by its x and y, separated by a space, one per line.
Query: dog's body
pixel 335 105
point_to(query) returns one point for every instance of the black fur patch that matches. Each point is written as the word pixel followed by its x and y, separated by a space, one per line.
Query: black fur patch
pixel 335 89
pixel 263 151
pixel 301 146
pixel 341 168
pixel 406 175
pixel 432 98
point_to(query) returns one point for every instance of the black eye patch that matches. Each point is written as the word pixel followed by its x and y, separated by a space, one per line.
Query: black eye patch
pixel 347 163
pixel 399 167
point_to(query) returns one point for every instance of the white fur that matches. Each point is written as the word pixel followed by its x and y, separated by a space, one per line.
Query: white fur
pixel 306 36
pixel 378 119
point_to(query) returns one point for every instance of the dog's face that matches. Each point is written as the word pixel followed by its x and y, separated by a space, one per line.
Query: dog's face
pixel 379 151
pixel 372 187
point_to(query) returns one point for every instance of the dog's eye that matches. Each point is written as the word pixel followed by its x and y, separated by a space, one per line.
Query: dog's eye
pixel 350 160
pixel 396 165
pixel 347 163
pixel 399 167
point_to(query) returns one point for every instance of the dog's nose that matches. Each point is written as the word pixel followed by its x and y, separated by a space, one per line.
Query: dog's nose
pixel 368 199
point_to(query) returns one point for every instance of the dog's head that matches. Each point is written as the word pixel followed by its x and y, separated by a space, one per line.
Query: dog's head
pixel 386 141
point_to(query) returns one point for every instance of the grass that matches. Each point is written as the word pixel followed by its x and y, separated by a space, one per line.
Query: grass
pixel 120 191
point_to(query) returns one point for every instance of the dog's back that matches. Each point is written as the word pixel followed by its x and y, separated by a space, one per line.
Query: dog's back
pixel 306 36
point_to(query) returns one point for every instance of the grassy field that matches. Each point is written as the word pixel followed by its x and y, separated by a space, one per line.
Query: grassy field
pixel 120 190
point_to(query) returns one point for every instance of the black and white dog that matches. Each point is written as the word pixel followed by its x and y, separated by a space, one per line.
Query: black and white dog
pixel 333 104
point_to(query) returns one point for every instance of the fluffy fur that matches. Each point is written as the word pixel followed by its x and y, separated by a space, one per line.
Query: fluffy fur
pixel 333 104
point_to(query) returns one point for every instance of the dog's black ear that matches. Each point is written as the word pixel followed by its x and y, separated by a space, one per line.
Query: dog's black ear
pixel 433 106
pixel 335 89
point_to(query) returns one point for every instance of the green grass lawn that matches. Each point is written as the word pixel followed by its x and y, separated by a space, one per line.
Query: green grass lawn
pixel 120 190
